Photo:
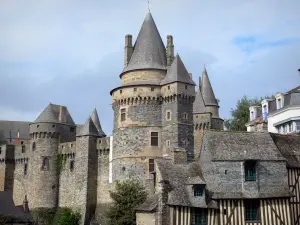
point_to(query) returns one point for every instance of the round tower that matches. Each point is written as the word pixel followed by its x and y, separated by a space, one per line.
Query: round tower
pixel 53 126
pixel 137 106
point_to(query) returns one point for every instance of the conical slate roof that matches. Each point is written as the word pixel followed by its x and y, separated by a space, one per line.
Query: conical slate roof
pixel 88 129
pixel 207 91
pixel 199 106
pixel 96 121
pixel 55 114
pixel 149 50
pixel 177 73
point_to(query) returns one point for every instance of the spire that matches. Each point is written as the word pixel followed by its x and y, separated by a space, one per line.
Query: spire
pixel 89 129
pixel 198 105
pixel 97 124
pixel 149 50
pixel 177 73
pixel 207 91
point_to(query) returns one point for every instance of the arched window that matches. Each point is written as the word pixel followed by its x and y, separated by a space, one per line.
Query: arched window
pixel 196 128
pixel 200 126
pixel 33 146
pixel 71 165
pixel 45 163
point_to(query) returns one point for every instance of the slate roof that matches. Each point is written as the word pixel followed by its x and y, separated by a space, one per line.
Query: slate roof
pixel 8 208
pixel 231 146
pixel 240 195
pixel 51 115
pixel 96 121
pixel 198 105
pixel 149 51
pixel 179 178
pixel 88 129
pixel 14 126
pixel 149 205
pixel 207 91
pixel 289 146
pixel 177 73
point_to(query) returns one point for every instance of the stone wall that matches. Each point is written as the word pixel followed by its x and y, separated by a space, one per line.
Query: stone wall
pixel 146 218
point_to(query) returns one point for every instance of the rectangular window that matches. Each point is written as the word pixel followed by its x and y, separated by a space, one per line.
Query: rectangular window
pixel 134 89
pixel 198 191
pixel 71 165
pixel 151 165
pixel 199 216
pixel 185 116
pixel 168 115
pixel 250 171
pixel 169 87
pixel 279 106
pixel 45 165
pixel 297 125
pixel 123 114
pixel 185 86
pixel 252 210
pixel 23 148
pixel 152 89
pixel 168 143
pixel 120 91
pixel 154 138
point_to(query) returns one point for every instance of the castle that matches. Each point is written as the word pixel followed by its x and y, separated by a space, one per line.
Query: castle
pixel 165 134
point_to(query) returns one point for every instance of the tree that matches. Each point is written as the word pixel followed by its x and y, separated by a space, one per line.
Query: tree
pixel 240 115
pixel 66 216
pixel 126 197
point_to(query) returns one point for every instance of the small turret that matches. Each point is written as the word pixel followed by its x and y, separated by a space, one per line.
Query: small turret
pixel 128 49
pixel 96 121
pixel 170 50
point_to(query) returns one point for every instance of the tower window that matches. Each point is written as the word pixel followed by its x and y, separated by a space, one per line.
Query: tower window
pixel 168 143
pixel 71 165
pixel 25 168
pixel 0 150
pixel 120 91
pixel 154 138
pixel 252 210
pixel 168 115
pixel 123 114
pixel 23 148
pixel 185 116
pixel 250 171
pixel 185 86
pixel 151 165
pixel 134 89
pixel 33 146
pixel 169 87
pixel 72 129
pixel 152 88
pixel 45 165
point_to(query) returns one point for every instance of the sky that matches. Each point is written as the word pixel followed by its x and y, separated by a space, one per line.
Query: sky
pixel 70 52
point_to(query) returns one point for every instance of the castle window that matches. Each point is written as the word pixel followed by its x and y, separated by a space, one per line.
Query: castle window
pixel 25 168
pixel 22 142
pixel 185 86
pixel 207 125
pixel 123 114
pixel 33 146
pixel 154 138
pixel 0 150
pixel 169 87
pixel 168 143
pixel 252 210
pixel 204 126
pixel 200 126
pixel 100 141
pixel 198 191
pixel 37 126
pixel 71 165
pixel 45 165
pixel 196 127
pixel 72 129
pixel 168 115
pixel 134 89
pixel 185 116
pixel 152 88
pixel 250 171
pixel 23 148
pixel 151 165
pixel 53 126
pixel 185 143
pixel 120 91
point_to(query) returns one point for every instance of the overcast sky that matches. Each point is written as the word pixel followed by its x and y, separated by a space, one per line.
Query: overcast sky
pixel 70 52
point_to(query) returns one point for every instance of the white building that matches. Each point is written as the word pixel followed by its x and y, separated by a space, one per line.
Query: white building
pixel 279 115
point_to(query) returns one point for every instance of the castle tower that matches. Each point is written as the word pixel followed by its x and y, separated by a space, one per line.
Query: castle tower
pixel 54 125
pixel 178 92
pixel 86 158
pixel 137 106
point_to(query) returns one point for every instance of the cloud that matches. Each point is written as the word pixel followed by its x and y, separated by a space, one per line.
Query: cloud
pixel 70 52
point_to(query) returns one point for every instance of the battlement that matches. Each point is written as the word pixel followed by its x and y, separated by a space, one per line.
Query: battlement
pixel 37 135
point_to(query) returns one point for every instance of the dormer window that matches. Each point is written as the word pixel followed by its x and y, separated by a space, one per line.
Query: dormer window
pixel 250 171
pixel 279 103
pixel 198 191
pixel 265 112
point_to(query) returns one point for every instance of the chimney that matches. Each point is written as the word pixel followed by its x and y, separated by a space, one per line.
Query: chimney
pixel 170 50
pixel 25 205
pixel 62 114
pixel 128 49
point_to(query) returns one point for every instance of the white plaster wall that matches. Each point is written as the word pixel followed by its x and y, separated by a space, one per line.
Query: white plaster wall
pixel 280 116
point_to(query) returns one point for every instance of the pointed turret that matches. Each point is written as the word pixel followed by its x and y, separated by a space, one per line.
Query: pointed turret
pixel 177 73
pixel 207 91
pixel 199 106
pixel 149 51
pixel 88 129
pixel 48 115
pixel 96 121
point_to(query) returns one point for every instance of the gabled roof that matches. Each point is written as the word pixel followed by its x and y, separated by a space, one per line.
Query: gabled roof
pixel 207 91
pixel 177 73
pixel 149 51
pixel 96 121
pixel 231 146
pixel 88 129
pixel 55 114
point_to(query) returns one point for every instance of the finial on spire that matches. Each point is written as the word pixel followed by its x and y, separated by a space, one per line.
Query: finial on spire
pixel 148 6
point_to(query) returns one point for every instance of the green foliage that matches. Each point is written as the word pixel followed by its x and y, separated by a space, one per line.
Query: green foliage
pixel 66 216
pixel 126 197
pixel 240 115
pixel 61 161
pixel 52 216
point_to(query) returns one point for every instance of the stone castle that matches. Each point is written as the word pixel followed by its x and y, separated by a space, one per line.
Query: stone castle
pixel 164 133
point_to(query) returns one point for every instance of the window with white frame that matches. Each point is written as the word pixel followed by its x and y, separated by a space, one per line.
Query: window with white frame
pixel 279 103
